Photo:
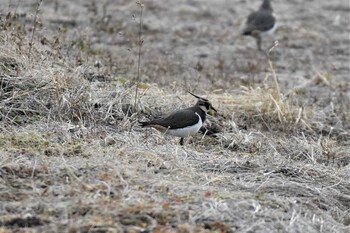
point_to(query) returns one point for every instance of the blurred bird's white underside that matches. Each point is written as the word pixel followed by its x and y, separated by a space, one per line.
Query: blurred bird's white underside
pixel 270 31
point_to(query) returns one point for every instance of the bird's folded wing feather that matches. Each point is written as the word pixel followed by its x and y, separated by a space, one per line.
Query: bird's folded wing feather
pixel 179 119
pixel 261 20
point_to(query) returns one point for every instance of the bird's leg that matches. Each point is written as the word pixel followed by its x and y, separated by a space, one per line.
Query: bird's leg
pixel 256 35
pixel 182 141
pixel 258 42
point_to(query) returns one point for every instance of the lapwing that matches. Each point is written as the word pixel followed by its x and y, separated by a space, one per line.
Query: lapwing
pixel 182 123
pixel 260 23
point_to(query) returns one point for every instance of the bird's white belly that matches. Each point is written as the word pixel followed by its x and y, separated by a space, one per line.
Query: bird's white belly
pixel 270 31
pixel 188 131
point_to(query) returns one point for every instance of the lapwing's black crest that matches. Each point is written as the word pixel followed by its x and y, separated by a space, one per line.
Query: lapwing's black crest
pixel 182 123
pixel 260 22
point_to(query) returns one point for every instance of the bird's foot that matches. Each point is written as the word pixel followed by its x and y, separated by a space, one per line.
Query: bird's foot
pixel 182 141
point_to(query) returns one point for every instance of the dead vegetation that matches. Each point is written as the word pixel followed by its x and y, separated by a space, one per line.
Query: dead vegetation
pixel 74 160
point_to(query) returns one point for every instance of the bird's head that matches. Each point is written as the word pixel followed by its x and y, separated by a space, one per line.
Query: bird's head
pixel 203 103
pixel 266 5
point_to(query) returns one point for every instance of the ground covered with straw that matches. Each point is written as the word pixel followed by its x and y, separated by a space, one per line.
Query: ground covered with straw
pixel 274 158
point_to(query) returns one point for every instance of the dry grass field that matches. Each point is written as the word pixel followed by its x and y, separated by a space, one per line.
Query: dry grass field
pixel 73 158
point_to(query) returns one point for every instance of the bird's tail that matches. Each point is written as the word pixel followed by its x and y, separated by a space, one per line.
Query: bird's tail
pixel 247 31
pixel 144 123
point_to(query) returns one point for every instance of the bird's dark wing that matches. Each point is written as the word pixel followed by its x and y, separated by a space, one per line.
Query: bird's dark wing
pixel 259 21
pixel 175 120
pixel 250 18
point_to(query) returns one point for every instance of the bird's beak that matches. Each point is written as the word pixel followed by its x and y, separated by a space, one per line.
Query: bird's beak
pixel 213 108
